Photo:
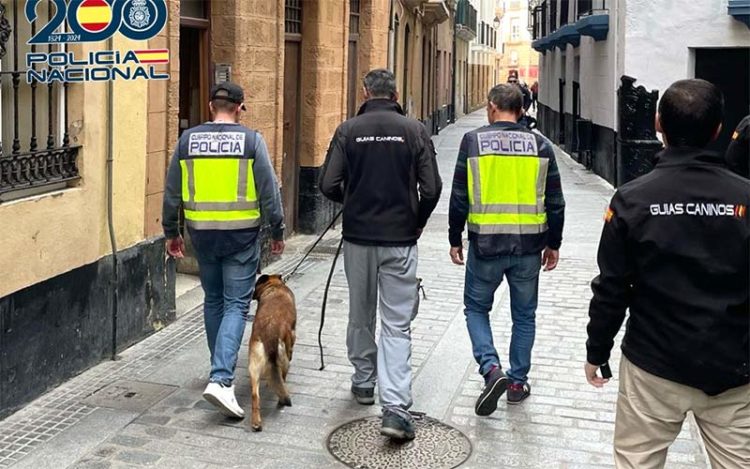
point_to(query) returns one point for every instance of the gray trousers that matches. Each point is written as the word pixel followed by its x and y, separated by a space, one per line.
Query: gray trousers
pixel 392 272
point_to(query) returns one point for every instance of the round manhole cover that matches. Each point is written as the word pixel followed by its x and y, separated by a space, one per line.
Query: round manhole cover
pixel 359 444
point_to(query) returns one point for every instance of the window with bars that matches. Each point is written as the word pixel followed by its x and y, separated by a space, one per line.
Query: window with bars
pixel 35 150
pixel 353 17
pixel 293 16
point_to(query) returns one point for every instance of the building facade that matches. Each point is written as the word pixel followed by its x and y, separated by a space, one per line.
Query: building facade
pixel 604 63
pixel 483 53
pixel 420 53
pixel 465 27
pixel 516 53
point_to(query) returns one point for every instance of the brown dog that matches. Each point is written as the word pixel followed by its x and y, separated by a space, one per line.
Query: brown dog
pixel 271 341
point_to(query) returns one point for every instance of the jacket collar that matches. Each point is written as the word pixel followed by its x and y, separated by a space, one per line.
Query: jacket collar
pixel 380 104
pixel 685 156
pixel 508 125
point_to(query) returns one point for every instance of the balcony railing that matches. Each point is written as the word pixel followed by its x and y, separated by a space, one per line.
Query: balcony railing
pixel 564 12
pixel 466 18
pixel 589 7
pixel 36 152
pixel 552 16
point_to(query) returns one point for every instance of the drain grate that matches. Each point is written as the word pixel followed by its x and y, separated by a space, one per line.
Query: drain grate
pixel 358 444
pixel 136 396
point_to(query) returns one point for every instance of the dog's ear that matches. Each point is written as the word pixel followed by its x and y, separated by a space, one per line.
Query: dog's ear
pixel 279 278
pixel 262 280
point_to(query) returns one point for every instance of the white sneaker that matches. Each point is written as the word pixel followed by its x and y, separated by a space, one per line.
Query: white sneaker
pixel 223 397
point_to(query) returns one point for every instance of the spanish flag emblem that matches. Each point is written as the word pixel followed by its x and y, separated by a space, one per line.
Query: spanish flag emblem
pixel 609 214
pixel 94 15
pixel 153 56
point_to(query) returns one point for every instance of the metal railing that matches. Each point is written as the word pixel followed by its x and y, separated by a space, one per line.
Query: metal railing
pixel 588 7
pixel 293 16
pixel 466 15
pixel 35 151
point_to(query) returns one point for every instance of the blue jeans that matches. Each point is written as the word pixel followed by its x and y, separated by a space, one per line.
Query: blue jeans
pixel 228 283
pixel 483 277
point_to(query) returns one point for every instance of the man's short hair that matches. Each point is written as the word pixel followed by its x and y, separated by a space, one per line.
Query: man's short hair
pixel 380 83
pixel 224 106
pixel 507 97
pixel 690 111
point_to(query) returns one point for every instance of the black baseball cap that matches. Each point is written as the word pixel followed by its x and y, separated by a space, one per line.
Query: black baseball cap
pixel 228 91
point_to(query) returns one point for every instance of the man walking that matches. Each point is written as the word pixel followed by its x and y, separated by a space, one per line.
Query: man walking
pixel 381 165
pixel 222 175
pixel 674 250
pixel 508 187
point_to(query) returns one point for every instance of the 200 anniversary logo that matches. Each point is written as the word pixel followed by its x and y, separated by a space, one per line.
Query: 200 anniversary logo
pixel 96 21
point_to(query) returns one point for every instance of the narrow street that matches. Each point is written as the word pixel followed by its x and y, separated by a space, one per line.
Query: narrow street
pixel 565 424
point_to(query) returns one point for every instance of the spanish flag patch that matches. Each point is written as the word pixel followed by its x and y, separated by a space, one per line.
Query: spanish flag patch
pixel 609 214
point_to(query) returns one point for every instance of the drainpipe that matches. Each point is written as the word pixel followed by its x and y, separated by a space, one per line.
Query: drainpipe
pixel 110 215
pixel 453 70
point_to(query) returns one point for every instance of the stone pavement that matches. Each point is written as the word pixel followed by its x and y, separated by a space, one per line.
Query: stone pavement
pixel 90 422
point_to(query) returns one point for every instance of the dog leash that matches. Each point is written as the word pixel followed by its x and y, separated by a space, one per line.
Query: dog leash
pixel 325 302
pixel 309 251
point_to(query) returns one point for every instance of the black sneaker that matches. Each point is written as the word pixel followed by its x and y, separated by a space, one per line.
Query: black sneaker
pixel 495 386
pixel 397 427
pixel 518 392
pixel 364 396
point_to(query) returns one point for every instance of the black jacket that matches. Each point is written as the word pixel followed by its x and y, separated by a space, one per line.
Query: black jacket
pixel 674 250
pixel 738 151
pixel 381 165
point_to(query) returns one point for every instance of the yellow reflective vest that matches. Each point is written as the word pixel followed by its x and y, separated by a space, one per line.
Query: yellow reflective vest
pixel 218 186
pixel 506 184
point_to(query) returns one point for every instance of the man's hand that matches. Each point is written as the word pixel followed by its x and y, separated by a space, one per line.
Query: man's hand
pixel 457 255
pixel 550 258
pixel 591 376
pixel 176 247
pixel 277 247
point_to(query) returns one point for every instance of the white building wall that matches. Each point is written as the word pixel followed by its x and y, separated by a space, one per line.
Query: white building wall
pixel 660 34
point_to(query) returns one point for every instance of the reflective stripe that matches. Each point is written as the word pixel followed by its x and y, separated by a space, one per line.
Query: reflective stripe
pixel 476 184
pixel 507 229
pixel 242 180
pixel 190 168
pixel 506 208
pixel 223 225
pixel 219 206
pixel 541 182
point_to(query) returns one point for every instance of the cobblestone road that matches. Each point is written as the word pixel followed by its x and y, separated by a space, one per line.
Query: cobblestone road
pixel 565 424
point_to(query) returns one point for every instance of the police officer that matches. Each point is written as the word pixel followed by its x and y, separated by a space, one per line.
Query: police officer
pixel 381 165
pixel 738 152
pixel 222 175
pixel 507 186
pixel 674 251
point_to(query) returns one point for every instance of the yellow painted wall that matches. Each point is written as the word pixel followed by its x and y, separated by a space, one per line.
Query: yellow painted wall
pixel 46 235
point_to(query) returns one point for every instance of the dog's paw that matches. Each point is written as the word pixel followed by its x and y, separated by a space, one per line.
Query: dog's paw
pixel 285 402
pixel 257 428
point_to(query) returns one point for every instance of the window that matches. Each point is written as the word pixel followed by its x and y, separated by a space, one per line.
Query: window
pixel 293 17
pixel 35 151
pixel 353 17
pixel 515 30
pixel 194 9
pixel 514 57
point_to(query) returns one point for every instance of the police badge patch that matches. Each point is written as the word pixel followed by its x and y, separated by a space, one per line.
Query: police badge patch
pixel 139 16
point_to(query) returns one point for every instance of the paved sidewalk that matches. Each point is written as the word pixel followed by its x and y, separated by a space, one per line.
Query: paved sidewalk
pixel 565 424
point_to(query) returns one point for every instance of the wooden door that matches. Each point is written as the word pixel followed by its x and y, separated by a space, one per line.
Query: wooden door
pixel 290 164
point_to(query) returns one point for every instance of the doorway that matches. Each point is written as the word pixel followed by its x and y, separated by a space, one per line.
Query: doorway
pixel 728 69
pixel 194 63
pixel 352 66
pixel 292 80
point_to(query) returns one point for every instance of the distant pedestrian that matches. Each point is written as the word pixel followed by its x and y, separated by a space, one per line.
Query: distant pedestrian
pixel 534 94
pixel 513 80
pixel 674 251
pixel 507 186
pixel 738 152
pixel 381 165
pixel 222 175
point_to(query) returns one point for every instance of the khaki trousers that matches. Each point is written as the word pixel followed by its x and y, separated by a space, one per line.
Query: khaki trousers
pixel 650 412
